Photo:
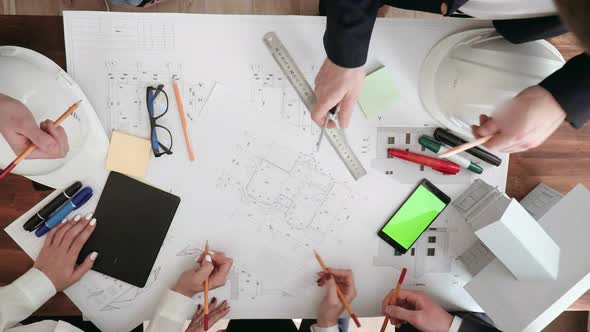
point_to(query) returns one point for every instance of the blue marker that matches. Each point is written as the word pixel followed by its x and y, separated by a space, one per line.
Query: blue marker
pixel 73 204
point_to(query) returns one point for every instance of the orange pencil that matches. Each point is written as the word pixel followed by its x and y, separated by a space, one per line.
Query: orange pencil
pixel 187 140
pixel 338 291
pixel 395 295
pixel 465 146
pixel 206 297
pixel 32 147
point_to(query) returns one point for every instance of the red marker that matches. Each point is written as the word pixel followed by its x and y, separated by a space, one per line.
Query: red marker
pixel 443 166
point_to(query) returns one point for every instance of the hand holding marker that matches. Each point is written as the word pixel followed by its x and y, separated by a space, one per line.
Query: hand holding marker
pixel 76 202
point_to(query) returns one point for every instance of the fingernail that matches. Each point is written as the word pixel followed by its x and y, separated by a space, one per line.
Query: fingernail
pixel 211 252
pixel 77 217
pixel 199 307
pixel 328 277
pixel 318 281
pixel 88 216
pixel 208 259
pixel 224 302
pixel 214 300
pixel 92 222
pixel 64 221
pixel 93 256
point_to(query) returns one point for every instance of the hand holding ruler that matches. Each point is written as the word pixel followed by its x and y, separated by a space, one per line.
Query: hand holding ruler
pixel 335 136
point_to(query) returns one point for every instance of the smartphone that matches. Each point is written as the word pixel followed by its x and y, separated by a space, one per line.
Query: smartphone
pixel 414 216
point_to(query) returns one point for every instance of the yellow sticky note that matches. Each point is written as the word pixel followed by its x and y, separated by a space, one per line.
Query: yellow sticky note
pixel 128 154
pixel 378 94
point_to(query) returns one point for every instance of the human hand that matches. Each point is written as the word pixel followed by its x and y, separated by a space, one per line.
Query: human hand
pixel 524 123
pixel 330 308
pixel 417 309
pixel 337 85
pixel 19 128
pixel 216 312
pixel 214 266
pixel 57 259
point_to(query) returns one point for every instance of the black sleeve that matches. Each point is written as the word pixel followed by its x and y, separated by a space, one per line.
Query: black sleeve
pixel 529 29
pixel 472 324
pixel 570 86
pixel 348 30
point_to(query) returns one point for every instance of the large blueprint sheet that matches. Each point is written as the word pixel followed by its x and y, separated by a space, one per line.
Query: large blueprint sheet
pixel 287 198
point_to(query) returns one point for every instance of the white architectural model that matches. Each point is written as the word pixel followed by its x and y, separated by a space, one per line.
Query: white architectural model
pixel 510 232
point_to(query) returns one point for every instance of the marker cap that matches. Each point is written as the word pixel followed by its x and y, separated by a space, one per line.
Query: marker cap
pixel 429 143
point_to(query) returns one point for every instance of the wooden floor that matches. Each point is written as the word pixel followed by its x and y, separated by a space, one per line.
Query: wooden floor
pixel 14 201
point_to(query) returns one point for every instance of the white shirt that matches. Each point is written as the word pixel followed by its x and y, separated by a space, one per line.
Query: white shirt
pixel 29 292
pixel 508 9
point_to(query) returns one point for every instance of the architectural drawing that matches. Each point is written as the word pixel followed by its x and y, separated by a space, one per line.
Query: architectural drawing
pixel 126 85
pixel 406 138
pixel 271 91
pixel 286 193
pixel 430 254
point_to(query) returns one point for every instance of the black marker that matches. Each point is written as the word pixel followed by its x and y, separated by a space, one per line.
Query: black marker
pixel 48 209
pixel 452 140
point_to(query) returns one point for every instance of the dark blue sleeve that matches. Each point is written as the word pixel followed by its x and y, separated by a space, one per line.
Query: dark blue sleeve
pixel 348 30
pixel 570 86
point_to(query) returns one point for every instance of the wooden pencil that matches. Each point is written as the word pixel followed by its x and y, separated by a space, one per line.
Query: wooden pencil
pixel 393 300
pixel 338 291
pixel 187 140
pixel 32 147
pixel 206 297
pixel 465 146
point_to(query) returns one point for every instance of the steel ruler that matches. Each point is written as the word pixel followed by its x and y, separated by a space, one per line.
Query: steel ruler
pixel 335 136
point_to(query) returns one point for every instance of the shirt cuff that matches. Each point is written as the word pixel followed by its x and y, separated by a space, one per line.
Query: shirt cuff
pixel 316 328
pixel 456 324
pixel 36 287
pixel 176 307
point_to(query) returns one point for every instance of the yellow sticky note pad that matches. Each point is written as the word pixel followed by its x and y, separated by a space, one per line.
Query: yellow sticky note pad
pixel 128 154
pixel 378 94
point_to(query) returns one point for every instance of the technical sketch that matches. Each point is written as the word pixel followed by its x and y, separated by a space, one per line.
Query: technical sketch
pixel 430 254
pixel 272 91
pixel 406 138
pixel 126 86
pixel 476 258
pixel 286 193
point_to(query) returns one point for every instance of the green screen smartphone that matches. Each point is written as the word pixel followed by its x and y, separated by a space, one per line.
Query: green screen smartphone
pixel 414 216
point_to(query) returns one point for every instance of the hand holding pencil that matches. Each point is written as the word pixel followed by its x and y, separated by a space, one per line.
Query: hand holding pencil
pixel 418 309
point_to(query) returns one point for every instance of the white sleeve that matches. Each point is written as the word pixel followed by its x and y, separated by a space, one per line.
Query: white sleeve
pixel 456 324
pixel 172 312
pixel 316 328
pixel 22 297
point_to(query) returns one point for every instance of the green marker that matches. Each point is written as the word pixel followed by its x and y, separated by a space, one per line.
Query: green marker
pixel 436 147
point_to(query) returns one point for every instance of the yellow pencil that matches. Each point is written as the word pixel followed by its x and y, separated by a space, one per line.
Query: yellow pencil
pixel 187 140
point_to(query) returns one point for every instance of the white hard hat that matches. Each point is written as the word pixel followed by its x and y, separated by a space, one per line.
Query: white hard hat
pixel 47 91
pixel 474 72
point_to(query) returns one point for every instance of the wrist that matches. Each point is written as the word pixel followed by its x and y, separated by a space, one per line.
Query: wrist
pixel 327 320
pixel 183 291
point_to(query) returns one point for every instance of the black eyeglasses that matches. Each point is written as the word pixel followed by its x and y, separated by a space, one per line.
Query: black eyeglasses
pixel 157 105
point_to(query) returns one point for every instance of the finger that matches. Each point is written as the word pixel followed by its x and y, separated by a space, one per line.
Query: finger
pixel 46 145
pixel 346 108
pixel 67 225
pixel 488 127
pixel 500 142
pixel 59 134
pixel 82 237
pixel 204 271
pixel 211 253
pixel 322 107
pixel 399 313
pixel 386 301
pixel 222 263
pixel 218 314
pixel 342 275
pixel 86 265
pixel 51 235
pixel 73 232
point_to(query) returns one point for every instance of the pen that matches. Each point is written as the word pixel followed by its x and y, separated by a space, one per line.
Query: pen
pixel 393 300
pixel 436 147
pixel 48 209
pixel 443 166
pixel 338 291
pixel 73 204
pixel 451 140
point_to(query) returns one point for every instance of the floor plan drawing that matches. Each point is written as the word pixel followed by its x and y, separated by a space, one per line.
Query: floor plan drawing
pixel 286 193
pixel 272 91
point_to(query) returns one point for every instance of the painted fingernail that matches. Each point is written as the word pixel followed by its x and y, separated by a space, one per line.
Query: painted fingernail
pixel 88 216
pixel 93 256
pixel 64 221
pixel 199 307
pixel 208 259
pixel 328 277
pixel 92 222
pixel 77 217
pixel 214 300
pixel 224 302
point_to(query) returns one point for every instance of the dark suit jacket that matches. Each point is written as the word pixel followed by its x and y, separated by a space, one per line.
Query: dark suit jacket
pixel 350 24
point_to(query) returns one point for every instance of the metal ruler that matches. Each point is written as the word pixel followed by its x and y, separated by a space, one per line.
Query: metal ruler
pixel 335 136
